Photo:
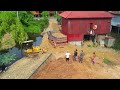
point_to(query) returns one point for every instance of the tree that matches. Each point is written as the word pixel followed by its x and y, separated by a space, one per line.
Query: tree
pixel 30 25
pixel 18 32
pixel 45 14
pixel 6 20
pixel 57 16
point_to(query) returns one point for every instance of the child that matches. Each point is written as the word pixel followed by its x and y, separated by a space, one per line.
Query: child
pixel 81 56
pixel 93 59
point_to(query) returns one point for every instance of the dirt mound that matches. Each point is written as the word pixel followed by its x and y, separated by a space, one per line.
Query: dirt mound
pixel 60 69
pixel 7 42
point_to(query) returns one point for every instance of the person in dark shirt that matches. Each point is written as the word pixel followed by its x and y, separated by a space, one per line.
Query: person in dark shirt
pixel 92 36
pixel 75 55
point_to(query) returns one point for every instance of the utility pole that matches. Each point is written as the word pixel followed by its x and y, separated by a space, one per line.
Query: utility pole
pixel 17 15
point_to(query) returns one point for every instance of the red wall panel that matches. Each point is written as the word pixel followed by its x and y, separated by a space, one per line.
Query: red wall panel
pixel 75 37
pixel 64 26
pixel 76 28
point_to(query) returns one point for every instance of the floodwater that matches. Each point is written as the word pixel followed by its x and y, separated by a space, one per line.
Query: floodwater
pixel 17 49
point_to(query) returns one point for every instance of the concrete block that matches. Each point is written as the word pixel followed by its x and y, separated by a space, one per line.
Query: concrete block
pixel 78 43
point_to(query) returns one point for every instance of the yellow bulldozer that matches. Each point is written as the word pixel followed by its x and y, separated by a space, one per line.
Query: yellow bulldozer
pixel 34 50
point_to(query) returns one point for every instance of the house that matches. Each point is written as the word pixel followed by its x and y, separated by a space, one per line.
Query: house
pixel 36 13
pixel 76 24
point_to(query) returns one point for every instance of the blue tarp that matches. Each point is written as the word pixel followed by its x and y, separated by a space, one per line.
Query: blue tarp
pixel 115 20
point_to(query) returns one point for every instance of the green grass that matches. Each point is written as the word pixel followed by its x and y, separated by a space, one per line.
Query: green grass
pixel 89 45
pixel 92 45
pixel 95 45
pixel 109 62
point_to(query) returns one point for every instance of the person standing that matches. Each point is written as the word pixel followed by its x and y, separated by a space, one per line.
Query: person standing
pixel 93 59
pixel 67 56
pixel 92 36
pixel 75 55
pixel 82 54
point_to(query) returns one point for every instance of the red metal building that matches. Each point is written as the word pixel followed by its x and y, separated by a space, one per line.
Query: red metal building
pixel 75 24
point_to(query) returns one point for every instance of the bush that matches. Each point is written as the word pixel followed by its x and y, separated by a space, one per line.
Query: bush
pixel 45 14
pixel 7 58
pixel 117 44
pixel 116 47
pixel 43 24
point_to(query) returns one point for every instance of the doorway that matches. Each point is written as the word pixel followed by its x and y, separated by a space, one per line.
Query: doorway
pixel 87 37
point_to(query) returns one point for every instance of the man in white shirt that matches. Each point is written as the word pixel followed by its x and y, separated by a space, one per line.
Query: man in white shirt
pixel 67 56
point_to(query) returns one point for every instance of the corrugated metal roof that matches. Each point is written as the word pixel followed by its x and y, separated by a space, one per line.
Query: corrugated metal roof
pixel 35 12
pixel 86 14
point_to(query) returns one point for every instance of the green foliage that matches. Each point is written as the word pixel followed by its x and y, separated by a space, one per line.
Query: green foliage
pixel 57 16
pixel 43 23
pixel 7 58
pixel 117 44
pixel 31 25
pixel 26 18
pixel 33 28
pixel 116 47
pixel 18 32
pixel 6 20
pixel 108 62
pixel 45 14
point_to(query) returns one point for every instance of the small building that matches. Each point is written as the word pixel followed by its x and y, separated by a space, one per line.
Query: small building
pixel 76 24
pixel 115 23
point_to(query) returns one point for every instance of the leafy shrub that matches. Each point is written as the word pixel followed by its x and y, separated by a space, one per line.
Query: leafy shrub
pixel 45 14
pixel 116 47
pixel 117 44
pixel 7 58
pixel 43 24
